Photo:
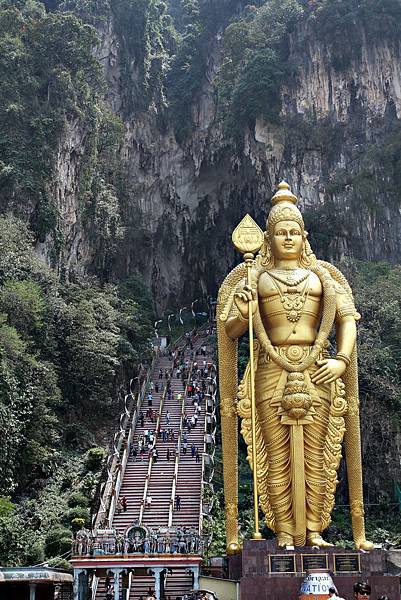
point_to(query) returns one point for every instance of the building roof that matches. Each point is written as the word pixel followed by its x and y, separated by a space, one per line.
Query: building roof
pixel 34 574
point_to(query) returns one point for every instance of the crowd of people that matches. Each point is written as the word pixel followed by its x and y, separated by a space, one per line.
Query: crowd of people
pixel 194 390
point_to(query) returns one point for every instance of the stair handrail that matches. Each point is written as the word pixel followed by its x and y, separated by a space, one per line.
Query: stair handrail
pixel 150 465
pixel 205 434
pixel 95 582
pixel 178 453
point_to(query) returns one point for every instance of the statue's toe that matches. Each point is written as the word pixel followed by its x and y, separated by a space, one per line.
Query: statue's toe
pixel 284 539
pixel 315 539
pixel 365 545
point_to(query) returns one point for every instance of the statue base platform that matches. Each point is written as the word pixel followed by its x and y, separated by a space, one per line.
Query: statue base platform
pixel 267 572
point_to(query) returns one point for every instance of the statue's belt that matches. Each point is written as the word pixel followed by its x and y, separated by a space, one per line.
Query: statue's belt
pixel 294 353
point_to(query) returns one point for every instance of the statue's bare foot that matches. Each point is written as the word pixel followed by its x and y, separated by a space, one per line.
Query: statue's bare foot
pixel 284 539
pixel 315 539
pixel 365 545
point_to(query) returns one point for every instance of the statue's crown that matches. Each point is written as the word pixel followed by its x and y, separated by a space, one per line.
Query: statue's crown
pixel 284 208
pixel 284 194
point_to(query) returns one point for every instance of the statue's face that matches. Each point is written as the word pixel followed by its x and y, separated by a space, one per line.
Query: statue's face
pixel 286 240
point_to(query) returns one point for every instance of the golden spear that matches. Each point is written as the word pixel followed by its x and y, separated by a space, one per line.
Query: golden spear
pixel 247 237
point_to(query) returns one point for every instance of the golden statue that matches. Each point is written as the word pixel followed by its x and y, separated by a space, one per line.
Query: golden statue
pixel 303 400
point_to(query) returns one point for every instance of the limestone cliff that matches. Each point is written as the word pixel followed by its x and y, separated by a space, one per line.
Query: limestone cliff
pixel 183 198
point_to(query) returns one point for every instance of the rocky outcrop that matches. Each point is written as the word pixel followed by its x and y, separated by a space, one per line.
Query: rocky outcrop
pixel 182 201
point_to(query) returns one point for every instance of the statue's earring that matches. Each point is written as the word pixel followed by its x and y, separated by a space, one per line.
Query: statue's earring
pixel 307 256
pixel 266 253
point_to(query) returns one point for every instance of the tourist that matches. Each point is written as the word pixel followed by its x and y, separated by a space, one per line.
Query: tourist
pixel 160 373
pixel 119 507
pixel 333 594
pixel 193 451
pixel 124 503
pixel 148 501
pixel 362 590
pixel 157 387
pixel 141 419
pixel 168 417
pixel 150 399
pixel 197 459
pixel 168 455
pixel 110 592
pixel 177 503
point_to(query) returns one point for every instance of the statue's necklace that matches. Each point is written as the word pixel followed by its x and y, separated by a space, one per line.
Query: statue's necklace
pixel 288 277
pixel 293 301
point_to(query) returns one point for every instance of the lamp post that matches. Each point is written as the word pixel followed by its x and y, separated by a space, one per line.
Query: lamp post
pixel 180 317
pixel 192 308
pixel 156 324
pixel 168 322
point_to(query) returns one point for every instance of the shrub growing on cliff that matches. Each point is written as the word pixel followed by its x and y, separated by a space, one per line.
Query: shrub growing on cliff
pixel 254 64
pixel 48 74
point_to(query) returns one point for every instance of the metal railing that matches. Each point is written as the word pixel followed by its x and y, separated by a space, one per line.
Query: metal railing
pixel 207 455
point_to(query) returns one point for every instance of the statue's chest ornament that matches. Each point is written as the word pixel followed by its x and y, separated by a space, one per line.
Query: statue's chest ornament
pixel 292 299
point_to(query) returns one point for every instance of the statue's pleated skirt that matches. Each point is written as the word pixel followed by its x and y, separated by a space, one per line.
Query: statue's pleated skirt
pixel 270 382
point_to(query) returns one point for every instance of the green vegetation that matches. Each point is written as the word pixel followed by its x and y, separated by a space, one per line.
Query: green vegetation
pixel 147 38
pixel 198 22
pixel 63 349
pixel 344 24
pixel 255 63
pixel 48 77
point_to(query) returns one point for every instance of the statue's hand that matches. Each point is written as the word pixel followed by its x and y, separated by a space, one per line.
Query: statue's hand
pixel 242 300
pixel 330 370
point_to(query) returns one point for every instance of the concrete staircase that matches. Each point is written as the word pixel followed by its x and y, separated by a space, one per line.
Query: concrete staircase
pixel 133 484
pixel 178 584
pixel 189 480
pixel 161 480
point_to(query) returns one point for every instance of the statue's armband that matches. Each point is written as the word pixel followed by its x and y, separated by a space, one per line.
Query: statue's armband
pixel 345 306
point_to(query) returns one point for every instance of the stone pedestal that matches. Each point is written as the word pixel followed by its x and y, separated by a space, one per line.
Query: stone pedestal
pixel 270 573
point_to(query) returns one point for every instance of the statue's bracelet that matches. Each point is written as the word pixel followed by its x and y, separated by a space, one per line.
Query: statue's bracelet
pixel 344 357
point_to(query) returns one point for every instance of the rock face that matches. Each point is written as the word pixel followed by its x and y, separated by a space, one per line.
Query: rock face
pixel 184 199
